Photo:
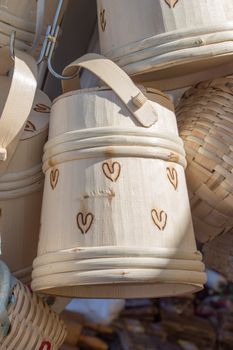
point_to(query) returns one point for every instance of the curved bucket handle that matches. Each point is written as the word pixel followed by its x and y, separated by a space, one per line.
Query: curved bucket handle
pixel 6 285
pixel 118 81
pixel 18 105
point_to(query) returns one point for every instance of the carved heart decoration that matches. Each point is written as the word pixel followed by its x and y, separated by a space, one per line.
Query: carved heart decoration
pixel 102 20
pixel 112 170
pixel 42 108
pixel 160 218
pixel 45 345
pixel 171 3
pixel 54 175
pixel 30 126
pixel 172 176
pixel 84 223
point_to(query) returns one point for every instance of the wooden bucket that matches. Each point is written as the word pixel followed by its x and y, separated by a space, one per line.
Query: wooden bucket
pixel 21 177
pixel 23 14
pixel 167 38
pixel 32 324
pixel 218 255
pixel 205 121
pixel 116 161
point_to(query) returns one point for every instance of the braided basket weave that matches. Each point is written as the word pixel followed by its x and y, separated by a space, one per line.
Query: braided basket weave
pixel 33 325
pixel 218 255
pixel 205 121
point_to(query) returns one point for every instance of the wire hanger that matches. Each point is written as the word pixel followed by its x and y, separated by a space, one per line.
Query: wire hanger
pixel 48 45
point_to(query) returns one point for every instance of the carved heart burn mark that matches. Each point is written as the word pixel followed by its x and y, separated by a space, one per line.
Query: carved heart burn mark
pixel 112 170
pixel 102 20
pixel 84 222
pixel 172 176
pixel 30 126
pixel 46 345
pixel 42 108
pixel 54 175
pixel 159 218
pixel 171 3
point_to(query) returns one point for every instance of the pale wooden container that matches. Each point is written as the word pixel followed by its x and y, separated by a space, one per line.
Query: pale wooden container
pixel 21 189
pixel 168 40
pixel 33 324
pixel 22 14
pixel 205 121
pixel 218 255
pixel 116 220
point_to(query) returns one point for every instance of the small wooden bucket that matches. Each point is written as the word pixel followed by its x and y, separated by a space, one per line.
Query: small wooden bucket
pixel 21 177
pixel 114 167
pixel 205 121
pixel 167 38
pixel 33 325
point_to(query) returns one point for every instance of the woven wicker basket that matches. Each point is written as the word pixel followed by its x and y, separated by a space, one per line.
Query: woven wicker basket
pixel 205 121
pixel 218 255
pixel 33 324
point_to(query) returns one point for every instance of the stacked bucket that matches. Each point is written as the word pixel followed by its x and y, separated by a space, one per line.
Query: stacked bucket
pixel 124 227
pixel 178 45
pixel 24 122
pixel 116 219
pixel 29 19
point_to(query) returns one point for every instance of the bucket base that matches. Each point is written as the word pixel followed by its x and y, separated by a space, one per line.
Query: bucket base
pixel 179 55
pixel 118 291
pixel 118 272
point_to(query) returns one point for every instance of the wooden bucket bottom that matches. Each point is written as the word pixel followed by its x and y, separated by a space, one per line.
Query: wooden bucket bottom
pixel 119 291
pixel 185 74
pixel 117 272
pixel 176 54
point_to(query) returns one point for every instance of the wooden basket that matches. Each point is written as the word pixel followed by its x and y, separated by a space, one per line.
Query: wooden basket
pixel 218 255
pixel 168 40
pixel 205 121
pixel 114 167
pixel 33 324
pixel 21 177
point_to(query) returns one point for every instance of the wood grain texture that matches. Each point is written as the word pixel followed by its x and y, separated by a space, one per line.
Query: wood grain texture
pixel 205 123
pixel 21 189
pixel 193 35
pixel 110 189
pixel 23 15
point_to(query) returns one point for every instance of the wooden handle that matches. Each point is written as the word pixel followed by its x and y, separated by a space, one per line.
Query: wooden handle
pixel 17 106
pixel 118 81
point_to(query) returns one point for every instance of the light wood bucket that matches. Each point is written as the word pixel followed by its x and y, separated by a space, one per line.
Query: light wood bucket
pixel 168 40
pixel 114 167
pixel 21 179
pixel 22 14
pixel 205 121
pixel 33 325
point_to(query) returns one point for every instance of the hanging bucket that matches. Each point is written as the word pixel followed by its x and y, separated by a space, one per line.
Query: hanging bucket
pixel 169 41
pixel 27 322
pixel 29 19
pixel 114 167
pixel 24 13
pixel 205 121
pixel 23 132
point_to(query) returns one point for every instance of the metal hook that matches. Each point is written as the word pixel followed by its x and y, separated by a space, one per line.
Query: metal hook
pixel 12 45
pixel 49 46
